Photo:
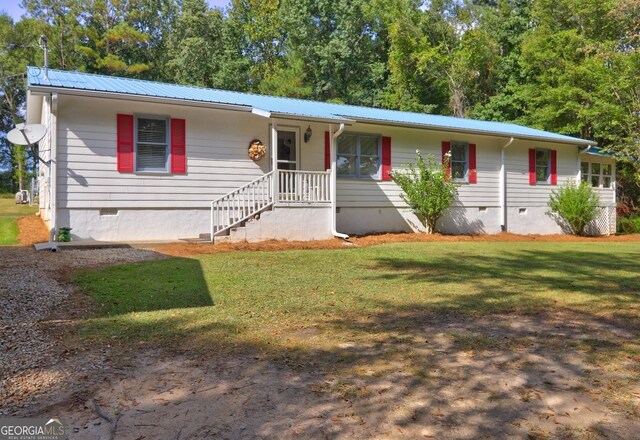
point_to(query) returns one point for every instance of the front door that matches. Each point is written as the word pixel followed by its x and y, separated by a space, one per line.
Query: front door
pixel 287 150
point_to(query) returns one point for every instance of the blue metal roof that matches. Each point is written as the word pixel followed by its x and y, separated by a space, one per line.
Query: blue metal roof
pixel 597 151
pixel 58 79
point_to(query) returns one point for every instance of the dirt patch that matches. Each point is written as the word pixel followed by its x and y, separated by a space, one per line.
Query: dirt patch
pixel 186 249
pixel 534 380
pixel 32 230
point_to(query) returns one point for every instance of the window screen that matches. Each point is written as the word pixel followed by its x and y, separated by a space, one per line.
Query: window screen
pixel 151 146
pixel 358 155
pixel 542 165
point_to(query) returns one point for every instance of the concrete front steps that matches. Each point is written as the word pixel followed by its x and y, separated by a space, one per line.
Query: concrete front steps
pixel 291 223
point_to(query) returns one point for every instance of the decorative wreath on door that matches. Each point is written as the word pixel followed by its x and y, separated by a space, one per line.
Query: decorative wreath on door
pixel 257 150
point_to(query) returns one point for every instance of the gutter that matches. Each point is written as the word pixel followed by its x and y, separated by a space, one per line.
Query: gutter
pixel 571 141
pixel 503 185
pixel 115 95
pixel 47 90
pixel 334 171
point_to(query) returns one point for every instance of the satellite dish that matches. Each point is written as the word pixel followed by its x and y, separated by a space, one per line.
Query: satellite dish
pixel 27 134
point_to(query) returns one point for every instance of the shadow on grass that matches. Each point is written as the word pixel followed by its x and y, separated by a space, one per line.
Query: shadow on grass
pixel 175 283
pixel 512 280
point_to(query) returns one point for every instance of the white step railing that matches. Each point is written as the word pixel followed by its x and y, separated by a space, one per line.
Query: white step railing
pixel 304 186
pixel 241 204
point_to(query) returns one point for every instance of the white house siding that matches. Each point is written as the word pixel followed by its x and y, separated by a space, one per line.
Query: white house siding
pixel 527 204
pixel 376 206
pixel 101 203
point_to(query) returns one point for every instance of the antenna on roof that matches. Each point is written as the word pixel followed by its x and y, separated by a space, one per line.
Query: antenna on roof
pixel 42 42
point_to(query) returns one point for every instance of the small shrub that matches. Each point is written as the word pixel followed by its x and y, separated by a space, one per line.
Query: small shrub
pixel 427 188
pixel 574 206
pixel 629 225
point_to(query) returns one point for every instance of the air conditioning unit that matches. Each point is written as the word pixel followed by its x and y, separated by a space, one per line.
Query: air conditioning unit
pixel 22 197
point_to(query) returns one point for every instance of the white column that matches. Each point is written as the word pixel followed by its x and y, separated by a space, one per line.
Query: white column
pixel 274 162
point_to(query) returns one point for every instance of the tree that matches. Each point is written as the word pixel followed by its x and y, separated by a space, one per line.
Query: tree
pixel 59 21
pixel 19 41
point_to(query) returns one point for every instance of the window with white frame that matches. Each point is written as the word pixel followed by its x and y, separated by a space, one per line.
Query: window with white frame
pixel 358 155
pixel 459 161
pixel 152 144
pixel 543 165
pixel 598 175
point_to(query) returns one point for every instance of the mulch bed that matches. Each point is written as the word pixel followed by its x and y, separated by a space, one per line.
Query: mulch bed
pixel 32 230
pixel 186 249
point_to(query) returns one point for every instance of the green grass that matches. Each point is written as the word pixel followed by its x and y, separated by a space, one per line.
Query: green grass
pixel 311 300
pixel 9 214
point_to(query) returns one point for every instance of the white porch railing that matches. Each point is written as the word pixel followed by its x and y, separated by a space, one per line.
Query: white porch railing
pixel 241 204
pixel 303 186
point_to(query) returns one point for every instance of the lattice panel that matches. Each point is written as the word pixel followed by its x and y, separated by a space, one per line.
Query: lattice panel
pixel 604 223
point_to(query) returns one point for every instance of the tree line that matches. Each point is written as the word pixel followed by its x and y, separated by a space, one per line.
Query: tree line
pixel 567 66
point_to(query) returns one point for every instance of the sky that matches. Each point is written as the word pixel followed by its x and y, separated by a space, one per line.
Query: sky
pixel 12 7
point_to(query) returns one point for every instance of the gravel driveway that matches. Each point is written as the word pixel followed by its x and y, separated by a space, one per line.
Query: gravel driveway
pixel 32 289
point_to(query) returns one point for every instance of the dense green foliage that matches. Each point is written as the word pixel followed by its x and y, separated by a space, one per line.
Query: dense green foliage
pixel 427 188
pixel 574 206
pixel 568 66
pixel 629 225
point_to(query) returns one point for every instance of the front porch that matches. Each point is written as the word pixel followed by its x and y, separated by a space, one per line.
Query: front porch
pixel 299 204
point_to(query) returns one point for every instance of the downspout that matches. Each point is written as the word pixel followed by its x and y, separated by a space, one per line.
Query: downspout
pixel 503 186
pixel 334 171
pixel 53 167
pixel 581 151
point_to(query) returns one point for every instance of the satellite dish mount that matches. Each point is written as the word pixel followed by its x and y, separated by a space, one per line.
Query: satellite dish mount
pixel 29 135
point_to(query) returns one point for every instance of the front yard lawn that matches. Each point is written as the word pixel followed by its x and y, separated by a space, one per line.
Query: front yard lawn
pixel 255 297
pixel 522 339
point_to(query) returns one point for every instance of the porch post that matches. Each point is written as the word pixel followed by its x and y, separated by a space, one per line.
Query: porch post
pixel 274 162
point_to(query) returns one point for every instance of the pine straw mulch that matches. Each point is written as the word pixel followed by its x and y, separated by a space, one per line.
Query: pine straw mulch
pixel 186 249
pixel 32 230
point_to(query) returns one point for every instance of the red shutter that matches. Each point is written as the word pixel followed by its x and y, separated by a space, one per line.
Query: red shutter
pixel 327 150
pixel 473 174
pixel 125 143
pixel 446 148
pixel 554 167
pixel 532 166
pixel 386 158
pixel 178 146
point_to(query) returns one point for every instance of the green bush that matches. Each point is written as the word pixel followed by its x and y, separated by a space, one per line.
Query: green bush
pixel 574 206
pixel 427 188
pixel 629 225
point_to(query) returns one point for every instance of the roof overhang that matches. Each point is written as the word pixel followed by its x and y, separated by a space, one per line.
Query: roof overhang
pixel 579 142
pixel 44 89
pixel 34 108
pixel 35 89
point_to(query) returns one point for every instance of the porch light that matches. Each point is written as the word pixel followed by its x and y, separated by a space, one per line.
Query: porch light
pixel 307 134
